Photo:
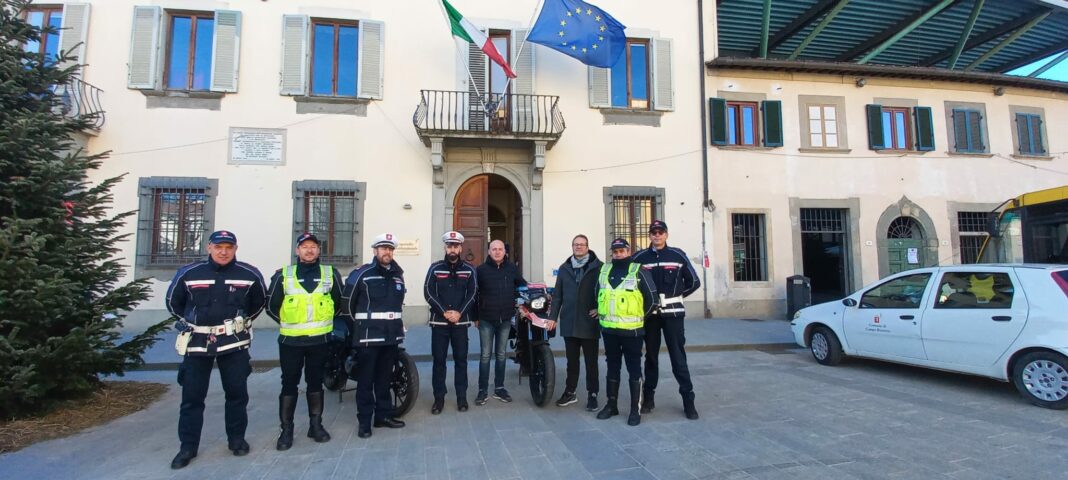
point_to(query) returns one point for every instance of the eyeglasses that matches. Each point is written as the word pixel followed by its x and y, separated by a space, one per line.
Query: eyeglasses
pixel 658 232
pixel 578 245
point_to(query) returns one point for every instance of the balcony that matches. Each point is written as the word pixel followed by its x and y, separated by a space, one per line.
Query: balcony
pixel 514 117
pixel 80 99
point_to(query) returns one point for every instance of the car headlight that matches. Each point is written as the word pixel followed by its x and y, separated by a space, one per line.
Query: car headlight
pixel 537 303
pixel 797 314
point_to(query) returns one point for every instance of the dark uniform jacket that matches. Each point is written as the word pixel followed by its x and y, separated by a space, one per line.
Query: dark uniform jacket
pixel 673 274
pixel 450 286
pixel 308 276
pixel 497 290
pixel 574 295
pixel 618 272
pixel 206 294
pixel 374 298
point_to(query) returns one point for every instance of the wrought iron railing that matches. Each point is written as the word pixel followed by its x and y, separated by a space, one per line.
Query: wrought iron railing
pixel 80 99
pixel 521 115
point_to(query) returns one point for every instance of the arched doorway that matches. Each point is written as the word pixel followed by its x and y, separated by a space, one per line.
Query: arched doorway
pixel 488 207
pixel 905 245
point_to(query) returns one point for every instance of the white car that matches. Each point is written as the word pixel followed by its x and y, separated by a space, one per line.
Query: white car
pixel 1003 321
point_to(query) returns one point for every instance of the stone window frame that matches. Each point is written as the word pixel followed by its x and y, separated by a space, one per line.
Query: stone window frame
pixel 1041 112
pixel 769 253
pixel 359 189
pixel 145 220
pixel 805 101
pixel 953 209
pixel 610 193
pixel 951 133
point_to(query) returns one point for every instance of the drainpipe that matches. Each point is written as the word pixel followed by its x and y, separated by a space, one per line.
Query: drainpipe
pixel 704 154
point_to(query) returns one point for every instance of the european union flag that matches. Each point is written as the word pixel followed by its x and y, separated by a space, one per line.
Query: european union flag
pixel 580 30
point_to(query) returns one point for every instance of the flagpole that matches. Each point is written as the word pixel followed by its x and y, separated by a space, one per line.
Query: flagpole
pixel 537 7
pixel 467 65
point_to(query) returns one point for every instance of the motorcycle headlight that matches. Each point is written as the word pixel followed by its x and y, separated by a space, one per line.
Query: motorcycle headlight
pixel 537 303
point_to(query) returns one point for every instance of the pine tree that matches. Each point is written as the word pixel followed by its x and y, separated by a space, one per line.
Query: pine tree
pixel 60 306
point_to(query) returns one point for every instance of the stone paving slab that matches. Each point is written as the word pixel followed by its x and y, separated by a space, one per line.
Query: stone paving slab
pixel 763 416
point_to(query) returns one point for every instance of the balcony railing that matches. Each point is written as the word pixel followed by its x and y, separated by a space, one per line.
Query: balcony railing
pixel 80 99
pixel 521 116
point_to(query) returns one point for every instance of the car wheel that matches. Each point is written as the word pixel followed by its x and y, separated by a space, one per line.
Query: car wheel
pixel 1042 378
pixel 825 346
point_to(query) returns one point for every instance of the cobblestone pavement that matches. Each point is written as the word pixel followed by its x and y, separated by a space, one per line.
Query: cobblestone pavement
pixel 764 414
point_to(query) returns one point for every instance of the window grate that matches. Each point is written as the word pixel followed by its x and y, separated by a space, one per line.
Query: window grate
pixel 822 220
pixel 633 214
pixel 972 228
pixel 178 225
pixel 330 215
pixel 904 228
pixel 750 247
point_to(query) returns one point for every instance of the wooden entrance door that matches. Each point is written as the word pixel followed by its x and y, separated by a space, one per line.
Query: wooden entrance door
pixel 470 217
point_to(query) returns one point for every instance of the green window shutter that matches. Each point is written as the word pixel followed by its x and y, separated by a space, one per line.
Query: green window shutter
pixel 925 141
pixel 960 130
pixel 772 115
pixel 1036 134
pixel 876 140
pixel 717 108
pixel 975 128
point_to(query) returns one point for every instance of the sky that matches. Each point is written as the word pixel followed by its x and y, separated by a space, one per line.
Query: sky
pixel 1059 72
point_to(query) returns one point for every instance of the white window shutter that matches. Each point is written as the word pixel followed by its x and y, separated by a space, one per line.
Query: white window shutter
pixel 478 67
pixel 75 30
pixel 226 51
pixel 663 89
pixel 372 55
pixel 294 75
pixel 144 48
pixel 525 109
pixel 600 87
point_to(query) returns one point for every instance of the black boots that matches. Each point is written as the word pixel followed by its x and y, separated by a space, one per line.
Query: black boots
pixel 647 401
pixel 185 455
pixel 688 407
pixel 610 408
pixel 635 403
pixel 287 404
pixel 315 413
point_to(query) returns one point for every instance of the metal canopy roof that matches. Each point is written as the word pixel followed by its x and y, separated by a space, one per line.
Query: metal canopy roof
pixel 1005 34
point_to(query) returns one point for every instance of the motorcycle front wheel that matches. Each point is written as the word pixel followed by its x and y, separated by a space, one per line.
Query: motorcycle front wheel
pixel 405 384
pixel 334 375
pixel 542 375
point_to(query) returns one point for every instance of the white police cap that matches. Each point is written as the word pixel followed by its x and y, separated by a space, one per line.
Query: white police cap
pixel 452 237
pixel 385 240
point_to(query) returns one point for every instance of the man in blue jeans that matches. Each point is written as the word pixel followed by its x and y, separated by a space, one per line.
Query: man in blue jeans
pixel 498 279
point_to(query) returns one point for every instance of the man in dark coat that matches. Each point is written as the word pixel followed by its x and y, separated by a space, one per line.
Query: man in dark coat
pixel 574 308
pixel 498 279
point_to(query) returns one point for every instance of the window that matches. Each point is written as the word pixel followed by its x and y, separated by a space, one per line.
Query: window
pixel 189 47
pixel 902 292
pixel 975 290
pixel 968 131
pixel 630 76
pixel 43 17
pixel 332 211
pixel 900 128
pixel 630 210
pixel 897 133
pixel 972 228
pixel 749 240
pixel 334 58
pixel 823 126
pixel 174 218
pixel 741 123
pixel 1029 134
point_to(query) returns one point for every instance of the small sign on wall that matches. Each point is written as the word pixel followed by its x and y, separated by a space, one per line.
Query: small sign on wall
pixel 257 146
pixel 913 255
pixel 408 248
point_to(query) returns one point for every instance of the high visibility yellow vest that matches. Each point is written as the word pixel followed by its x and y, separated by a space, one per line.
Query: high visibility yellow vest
pixel 982 288
pixel 305 314
pixel 622 307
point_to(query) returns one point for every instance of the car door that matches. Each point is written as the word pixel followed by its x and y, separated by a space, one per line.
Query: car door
pixel 974 316
pixel 888 319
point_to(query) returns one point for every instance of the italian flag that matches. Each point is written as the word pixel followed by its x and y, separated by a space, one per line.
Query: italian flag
pixel 466 30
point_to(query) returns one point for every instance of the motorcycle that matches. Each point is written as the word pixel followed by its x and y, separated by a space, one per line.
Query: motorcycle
pixel 342 365
pixel 530 340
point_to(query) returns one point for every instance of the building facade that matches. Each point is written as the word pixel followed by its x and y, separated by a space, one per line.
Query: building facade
pixel 353 118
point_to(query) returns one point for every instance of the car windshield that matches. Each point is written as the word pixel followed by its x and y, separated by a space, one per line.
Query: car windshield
pixel 902 292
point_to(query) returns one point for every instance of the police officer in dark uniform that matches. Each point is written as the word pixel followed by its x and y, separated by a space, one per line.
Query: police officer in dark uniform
pixel 215 301
pixel 303 299
pixel 450 289
pixel 374 296
pixel 675 279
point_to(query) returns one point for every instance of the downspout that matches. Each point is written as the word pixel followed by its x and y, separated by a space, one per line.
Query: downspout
pixel 704 155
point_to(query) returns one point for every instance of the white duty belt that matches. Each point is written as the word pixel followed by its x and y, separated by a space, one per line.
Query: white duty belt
pixel 665 301
pixel 377 316
pixel 236 325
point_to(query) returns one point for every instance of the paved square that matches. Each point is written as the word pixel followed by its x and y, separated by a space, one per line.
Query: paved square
pixel 766 415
